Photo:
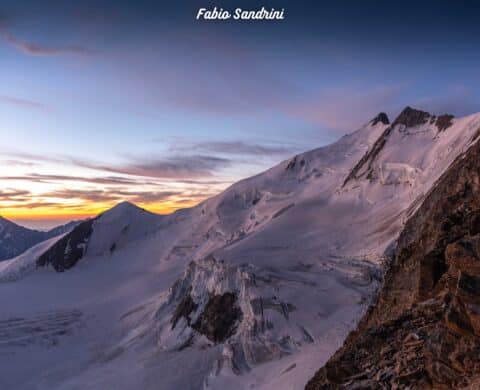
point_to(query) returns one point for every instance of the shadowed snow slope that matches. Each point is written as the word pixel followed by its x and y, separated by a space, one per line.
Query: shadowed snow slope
pixel 16 239
pixel 257 286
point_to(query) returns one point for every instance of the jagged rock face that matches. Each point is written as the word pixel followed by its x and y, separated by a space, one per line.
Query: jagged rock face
pixel 292 164
pixel 217 321
pixel 216 304
pixel 443 122
pixel 380 118
pixel 410 117
pixel 66 252
pixel 424 330
pixel 219 318
pixel 409 130
pixel 365 163
pixel 184 309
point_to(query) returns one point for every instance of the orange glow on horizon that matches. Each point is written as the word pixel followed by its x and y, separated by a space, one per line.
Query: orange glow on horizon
pixel 83 211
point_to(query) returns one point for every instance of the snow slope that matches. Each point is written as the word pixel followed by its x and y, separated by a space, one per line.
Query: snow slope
pixel 14 269
pixel 252 288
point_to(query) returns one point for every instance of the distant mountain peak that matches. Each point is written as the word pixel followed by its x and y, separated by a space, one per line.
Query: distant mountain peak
pixel 380 118
pixel 412 117
pixel 100 235
pixel 125 205
pixel 122 208
pixel 16 239
pixel 4 220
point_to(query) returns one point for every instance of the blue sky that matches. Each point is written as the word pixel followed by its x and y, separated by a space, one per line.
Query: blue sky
pixel 179 108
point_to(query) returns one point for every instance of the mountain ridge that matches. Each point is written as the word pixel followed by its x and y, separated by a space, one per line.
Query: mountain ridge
pixel 16 239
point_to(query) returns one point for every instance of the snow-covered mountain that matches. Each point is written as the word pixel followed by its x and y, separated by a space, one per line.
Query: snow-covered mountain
pixel 100 236
pixel 254 288
pixel 423 329
pixel 16 239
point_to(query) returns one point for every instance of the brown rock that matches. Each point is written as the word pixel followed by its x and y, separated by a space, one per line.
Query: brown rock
pixel 444 122
pixel 219 318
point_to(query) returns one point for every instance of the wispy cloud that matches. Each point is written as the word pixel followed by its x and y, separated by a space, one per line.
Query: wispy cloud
pixel 30 157
pixel 24 103
pixel 107 180
pixel 203 182
pixel 345 109
pixel 42 204
pixel 26 199
pixel 181 167
pixel 457 100
pixel 110 195
pixel 148 197
pixel 175 167
pixel 14 195
pixel 19 163
pixel 34 49
pixel 238 148
pixel 84 195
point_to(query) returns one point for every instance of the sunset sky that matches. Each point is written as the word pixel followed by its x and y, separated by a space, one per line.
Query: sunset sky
pixel 104 101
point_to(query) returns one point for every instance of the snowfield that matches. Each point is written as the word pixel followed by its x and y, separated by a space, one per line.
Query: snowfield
pixel 254 288
pixel 11 270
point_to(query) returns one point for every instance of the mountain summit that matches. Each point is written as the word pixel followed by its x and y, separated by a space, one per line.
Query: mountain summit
pixel 411 117
pixel 104 234
pixel 124 208
pixel 380 118
pixel 406 150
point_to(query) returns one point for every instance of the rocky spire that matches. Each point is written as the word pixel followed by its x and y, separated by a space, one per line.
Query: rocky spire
pixel 381 117
pixel 411 117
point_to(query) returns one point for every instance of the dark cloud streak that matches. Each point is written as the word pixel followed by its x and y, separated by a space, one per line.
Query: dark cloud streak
pixel 239 148
pixel 111 195
pixel 109 180
pixel 14 195
pixel 188 167
pixel 182 167
pixel 33 49
pixel 23 103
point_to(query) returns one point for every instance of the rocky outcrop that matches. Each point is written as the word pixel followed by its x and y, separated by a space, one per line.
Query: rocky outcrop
pixel 380 118
pixel 408 118
pixel 217 321
pixel 184 309
pixel 66 252
pixel 232 307
pixel 293 163
pixel 364 166
pixel 219 318
pixel 443 122
pixel 411 117
pixel 424 330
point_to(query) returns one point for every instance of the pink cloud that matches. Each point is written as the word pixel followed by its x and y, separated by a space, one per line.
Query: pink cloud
pixel 345 108
pixel 42 50
pixel 25 103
